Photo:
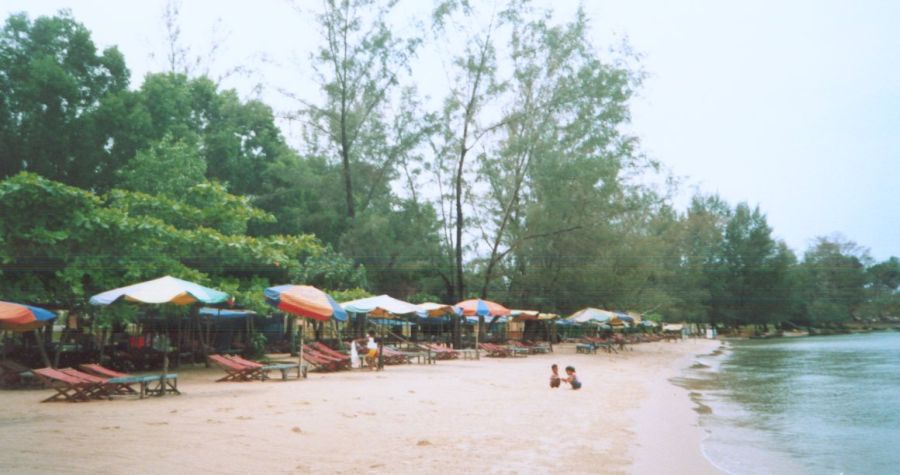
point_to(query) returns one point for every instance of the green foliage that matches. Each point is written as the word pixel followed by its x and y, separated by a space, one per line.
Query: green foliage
pixel 56 95
pixel 257 345
pixel 524 187
pixel 81 244
pixel 168 167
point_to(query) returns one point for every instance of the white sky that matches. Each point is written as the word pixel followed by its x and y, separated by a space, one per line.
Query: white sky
pixel 791 105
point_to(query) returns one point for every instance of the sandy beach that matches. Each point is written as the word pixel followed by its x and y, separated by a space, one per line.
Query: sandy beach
pixel 489 416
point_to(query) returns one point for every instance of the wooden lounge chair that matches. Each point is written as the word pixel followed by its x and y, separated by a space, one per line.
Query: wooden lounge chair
pixel 441 352
pixel 324 361
pixel 235 371
pixel 325 349
pixel 15 374
pixel 107 388
pixel 148 384
pixel 494 350
pixel 68 388
pixel 265 369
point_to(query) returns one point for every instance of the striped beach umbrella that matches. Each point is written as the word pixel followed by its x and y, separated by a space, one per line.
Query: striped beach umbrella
pixel 21 318
pixel 305 301
pixel 483 308
pixel 166 289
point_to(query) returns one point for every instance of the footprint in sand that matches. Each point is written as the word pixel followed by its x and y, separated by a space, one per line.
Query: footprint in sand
pixel 243 418
pixel 423 443
pixel 161 423
pixel 377 465
pixel 349 416
pixel 173 411
pixel 411 391
pixel 367 413
pixel 224 409
pixel 296 430
pixel 304 403
pixel 213 421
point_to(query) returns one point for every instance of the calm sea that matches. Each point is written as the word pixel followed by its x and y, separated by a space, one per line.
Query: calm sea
pixel 802 405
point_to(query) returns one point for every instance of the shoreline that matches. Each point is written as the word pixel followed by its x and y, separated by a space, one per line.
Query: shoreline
pixel 494 415
pixel 670 421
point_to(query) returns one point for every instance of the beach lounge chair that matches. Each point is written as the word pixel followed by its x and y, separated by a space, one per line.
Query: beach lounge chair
pixel 15 374
pixel 148 384
pixel 441 352
pixel 68 388
pixel 324 361
pixel 106 387
pixel 323 348
pixel 235 371
pixel 494 350
pixel 265 369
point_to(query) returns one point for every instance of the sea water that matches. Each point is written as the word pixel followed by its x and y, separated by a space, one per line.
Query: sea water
pixel 827 404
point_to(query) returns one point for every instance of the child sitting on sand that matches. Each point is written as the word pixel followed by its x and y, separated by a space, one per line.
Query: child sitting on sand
pixel 572 378
pixel 554 376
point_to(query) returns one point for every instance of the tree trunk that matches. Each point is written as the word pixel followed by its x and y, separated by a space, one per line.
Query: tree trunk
pixel 39 339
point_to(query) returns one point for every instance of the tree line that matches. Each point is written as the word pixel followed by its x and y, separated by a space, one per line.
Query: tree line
pixel 521 185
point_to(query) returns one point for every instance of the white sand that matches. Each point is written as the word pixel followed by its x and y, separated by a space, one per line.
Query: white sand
pixel 493 415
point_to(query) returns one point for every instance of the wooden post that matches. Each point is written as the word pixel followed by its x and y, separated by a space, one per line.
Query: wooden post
pixel 293 327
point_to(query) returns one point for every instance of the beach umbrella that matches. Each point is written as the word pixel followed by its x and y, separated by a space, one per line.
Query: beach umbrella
pixel 163 290
pixel 482 308
pixel 22 318
pixel 166 289
pixel 591 314
pixel 431 309
pixel 305 301
pixel 383 306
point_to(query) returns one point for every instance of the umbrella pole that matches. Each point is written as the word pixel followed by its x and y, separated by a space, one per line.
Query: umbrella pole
pixel 300 352
pixel 477 353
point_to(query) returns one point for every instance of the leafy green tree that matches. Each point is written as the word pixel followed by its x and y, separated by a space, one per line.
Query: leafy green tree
pixel 81 243
pixel 834 280
pixel 565 104
pixel 465 118
pixel 358 67
pixel 168 167
pixel 752 268
pixel 57 98
pixel 884 288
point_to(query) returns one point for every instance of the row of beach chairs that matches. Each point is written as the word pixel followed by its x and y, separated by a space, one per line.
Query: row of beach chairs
pixel 92 381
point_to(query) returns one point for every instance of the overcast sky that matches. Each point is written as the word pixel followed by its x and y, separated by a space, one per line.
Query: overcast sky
pixel 794 106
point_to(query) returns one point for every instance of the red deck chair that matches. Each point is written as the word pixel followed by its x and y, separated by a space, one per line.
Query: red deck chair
pixel 235 371
pixel 68 388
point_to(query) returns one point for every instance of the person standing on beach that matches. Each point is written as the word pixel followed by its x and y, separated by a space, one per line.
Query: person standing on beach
pixel 372 352
pixel 572 378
